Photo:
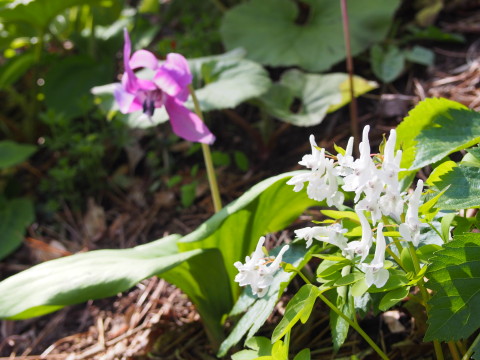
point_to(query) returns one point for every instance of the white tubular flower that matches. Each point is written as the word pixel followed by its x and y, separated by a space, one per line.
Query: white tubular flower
pixel 361 247
pixel 345 162
pixel 256 271
pixel 391 162
pixel 375 274
pixel 315 159
pixel 391 204
pixel 372 205
pixel 363 168
pixel 332 234
pixel 410 230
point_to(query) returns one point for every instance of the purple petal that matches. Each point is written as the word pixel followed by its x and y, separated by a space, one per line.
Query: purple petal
pixel 186 124
pixel 143 59
pixel 130 82
pixel 178 65
pixel 174 76
pixel 126 101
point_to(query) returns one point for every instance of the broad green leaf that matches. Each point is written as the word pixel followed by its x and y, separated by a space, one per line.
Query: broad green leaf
pixel 267 207
pixel 259 309
pixel 15 216
pixel 335 214
pixel 207 287
pixel 12 153
pixel 15 68
pixel 421 116
pixel 81 277
pixel 454 276
pixel 230 80
pixel 462 184
pixel 338 325
pixel 312 38
pixel 38 13
pixel 67 84
pixel 387 64
pixel 303 355
pixel 259 345
pixel 311 95
pixel 426 252
pixel 393 297
pixel 350 279
pixel 396 279
pixel 298 309
pixel 420 55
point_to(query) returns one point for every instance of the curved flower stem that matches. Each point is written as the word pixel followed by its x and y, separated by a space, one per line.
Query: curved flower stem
pixel 367 338
pixel 207 157
pixel 425 296
pixel 470 349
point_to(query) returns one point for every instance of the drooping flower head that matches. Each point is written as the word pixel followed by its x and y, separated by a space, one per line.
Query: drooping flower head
pixel 163 84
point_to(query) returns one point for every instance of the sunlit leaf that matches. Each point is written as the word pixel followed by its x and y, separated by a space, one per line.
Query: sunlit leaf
pixel 454 276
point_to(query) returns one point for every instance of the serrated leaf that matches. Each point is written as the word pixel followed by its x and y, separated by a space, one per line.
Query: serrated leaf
pixel 298 309
pixel 393 297
pixel 315 44
pixel 304 99
pixel 425 114
pixel 463 184
pixel 12 153
pixel 454 276
pixel 15 216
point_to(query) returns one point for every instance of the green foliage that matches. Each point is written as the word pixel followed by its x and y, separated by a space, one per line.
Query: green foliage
pixel 309 34
pixel 305 99
pixel 12 153
pixel 257 345
pixel 257 310
pixel 460 183
pixel 454 276
pixel 298 308
pixel 434 129
pixel 15 216
pixel 387 64
pixel 216 243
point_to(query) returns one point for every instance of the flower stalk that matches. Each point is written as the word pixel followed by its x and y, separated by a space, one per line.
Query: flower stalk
pixel 207 157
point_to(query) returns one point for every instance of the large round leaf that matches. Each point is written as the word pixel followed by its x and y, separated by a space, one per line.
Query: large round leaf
pixel 304 99
pixel 273 33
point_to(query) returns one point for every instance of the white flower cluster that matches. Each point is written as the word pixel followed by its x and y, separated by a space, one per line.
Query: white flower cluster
pixel 258 270
pixel 377 191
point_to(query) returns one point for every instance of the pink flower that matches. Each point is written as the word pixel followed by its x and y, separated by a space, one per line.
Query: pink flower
pixel 166 86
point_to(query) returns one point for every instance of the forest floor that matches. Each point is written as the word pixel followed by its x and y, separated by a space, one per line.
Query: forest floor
pixel 155 320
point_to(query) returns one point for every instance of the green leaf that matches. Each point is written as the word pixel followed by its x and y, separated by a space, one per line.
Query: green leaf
pixel 406 259
pixel 15 68
pixel 420 55
pixel 303 355
pixel 15 216
pixel 259 309
pixel 12 153
pixel 298 308
pixel 454 276
pixel 81 277
pixel 463 184
pixel 425 115
pixel 67 84
pixel 267 207
pixel 350 279
pixel 38 13
pixel 260 345
pixel 338 325
pixel 393 297
pixel 314 42
pixel 387 64
pixel 305 99
pixel 334 214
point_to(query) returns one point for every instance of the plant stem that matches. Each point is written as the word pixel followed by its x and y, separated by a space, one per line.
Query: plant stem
pixel 367 338
pixel 425 296
pixel 207 157
pixel 453 350
pixel 470 349
pixel 353 101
